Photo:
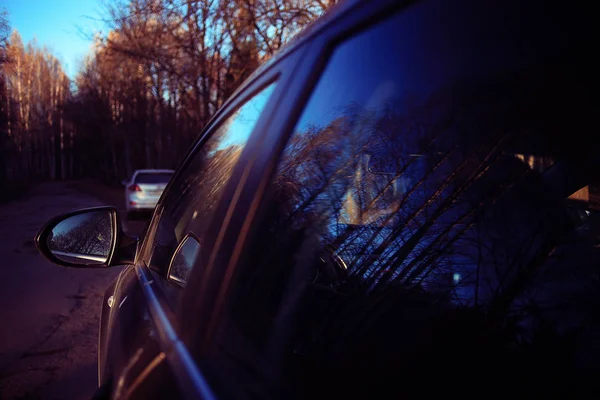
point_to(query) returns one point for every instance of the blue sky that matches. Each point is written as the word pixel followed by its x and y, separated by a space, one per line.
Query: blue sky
pixel 58 25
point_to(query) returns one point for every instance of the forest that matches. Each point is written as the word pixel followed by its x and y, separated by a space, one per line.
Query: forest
pixel 143 93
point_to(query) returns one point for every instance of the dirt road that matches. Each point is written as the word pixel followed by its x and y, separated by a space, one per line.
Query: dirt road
pixel 48 314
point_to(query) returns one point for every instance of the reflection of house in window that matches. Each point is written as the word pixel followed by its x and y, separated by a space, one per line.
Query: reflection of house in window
pixel 372 196
pixel 535 162
pixel 587 197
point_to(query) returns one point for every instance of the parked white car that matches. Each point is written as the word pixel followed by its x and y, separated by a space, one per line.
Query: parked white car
pixel 144 189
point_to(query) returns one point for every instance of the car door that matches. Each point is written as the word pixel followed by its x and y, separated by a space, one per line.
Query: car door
pixel 146 339
pixel 132 351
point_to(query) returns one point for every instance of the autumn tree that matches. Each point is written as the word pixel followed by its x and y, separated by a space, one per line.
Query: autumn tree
pixel 35 136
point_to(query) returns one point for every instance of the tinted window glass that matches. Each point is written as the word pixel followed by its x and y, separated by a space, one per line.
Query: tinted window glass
pixel 153 178
pixel 194 196
pixel 431 219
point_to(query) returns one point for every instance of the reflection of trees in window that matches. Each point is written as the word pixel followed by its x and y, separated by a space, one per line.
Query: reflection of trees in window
pixel 216 170
pixel 457 234
pixel 451 191
pixel 195 195
pixel 194 200
pixel 91 236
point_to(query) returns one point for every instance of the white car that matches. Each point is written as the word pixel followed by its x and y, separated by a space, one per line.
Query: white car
pixel 145 188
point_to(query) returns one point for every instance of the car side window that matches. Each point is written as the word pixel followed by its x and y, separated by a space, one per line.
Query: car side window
pixel 192 198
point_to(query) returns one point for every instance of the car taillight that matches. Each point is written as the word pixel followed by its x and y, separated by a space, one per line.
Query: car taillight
pixel 135 188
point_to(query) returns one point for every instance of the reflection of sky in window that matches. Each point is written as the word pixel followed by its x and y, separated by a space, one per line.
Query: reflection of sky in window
pixel 361 85
pixel 424 58
pixel 214 164
pixel 243 121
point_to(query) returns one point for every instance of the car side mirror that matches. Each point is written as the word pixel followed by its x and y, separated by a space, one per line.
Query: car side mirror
pixel 124 182
pixel 87 238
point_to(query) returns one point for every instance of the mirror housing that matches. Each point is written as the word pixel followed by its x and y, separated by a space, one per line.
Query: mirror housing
pixel 88 238
pixel 124 182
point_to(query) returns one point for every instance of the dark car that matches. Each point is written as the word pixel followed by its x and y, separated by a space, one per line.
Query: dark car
pixel 402 203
